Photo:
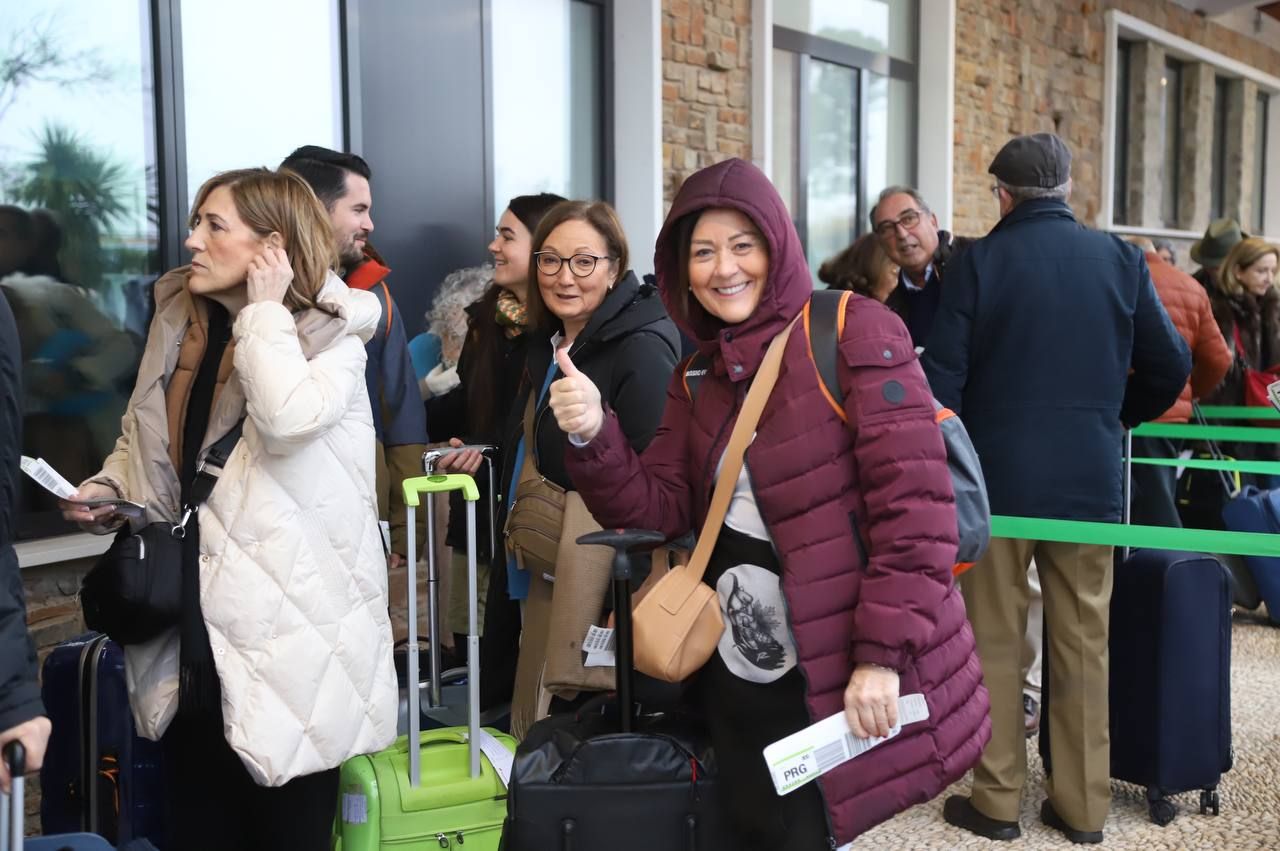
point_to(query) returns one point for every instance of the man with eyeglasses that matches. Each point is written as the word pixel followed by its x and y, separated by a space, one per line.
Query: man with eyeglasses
pixel 909 232
pixel 1049 341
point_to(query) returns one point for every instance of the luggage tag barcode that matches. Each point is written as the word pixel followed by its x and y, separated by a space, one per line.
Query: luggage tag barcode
pixel 598 645
pixel 47 477
pixel 499 757
pixel 355 808
pixel 815 750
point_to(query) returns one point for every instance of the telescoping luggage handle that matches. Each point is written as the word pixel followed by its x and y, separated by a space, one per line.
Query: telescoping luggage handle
pixel 413 489
pixel 11 813
pixel 429 460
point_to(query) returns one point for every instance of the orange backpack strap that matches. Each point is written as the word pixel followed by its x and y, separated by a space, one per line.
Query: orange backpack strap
pixel 824 317
pixel 390 305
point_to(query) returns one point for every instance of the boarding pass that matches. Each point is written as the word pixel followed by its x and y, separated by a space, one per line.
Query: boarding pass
pixel 815 750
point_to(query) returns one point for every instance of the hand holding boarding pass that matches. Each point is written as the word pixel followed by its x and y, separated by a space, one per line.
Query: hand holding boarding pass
pixel 817 749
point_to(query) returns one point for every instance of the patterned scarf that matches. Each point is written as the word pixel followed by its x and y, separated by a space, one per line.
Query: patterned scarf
pixel 513 316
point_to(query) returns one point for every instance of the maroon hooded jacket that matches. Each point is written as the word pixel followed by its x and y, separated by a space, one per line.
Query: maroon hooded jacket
pixel 862 514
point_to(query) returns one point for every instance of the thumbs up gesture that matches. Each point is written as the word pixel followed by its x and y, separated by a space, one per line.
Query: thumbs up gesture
pixel 575 400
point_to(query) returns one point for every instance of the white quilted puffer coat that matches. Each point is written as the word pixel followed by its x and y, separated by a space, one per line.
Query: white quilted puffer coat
pixel 293 579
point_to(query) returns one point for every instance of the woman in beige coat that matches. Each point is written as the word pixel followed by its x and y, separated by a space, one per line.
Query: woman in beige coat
pixel 280 667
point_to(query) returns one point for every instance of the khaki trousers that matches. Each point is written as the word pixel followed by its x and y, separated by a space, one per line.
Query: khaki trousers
pixel 1075 580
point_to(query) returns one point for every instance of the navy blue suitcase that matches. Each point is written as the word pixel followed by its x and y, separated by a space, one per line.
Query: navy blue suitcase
pixel 99 776
pixel 1258 510
pixel 1171 677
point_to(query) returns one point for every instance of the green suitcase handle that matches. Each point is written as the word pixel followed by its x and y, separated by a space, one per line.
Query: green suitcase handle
pixel 440 484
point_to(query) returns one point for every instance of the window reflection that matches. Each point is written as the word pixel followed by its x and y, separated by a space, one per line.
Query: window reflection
pixel 78 228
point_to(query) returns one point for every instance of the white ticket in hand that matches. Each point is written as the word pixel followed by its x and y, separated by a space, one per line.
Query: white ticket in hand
pixel 818 748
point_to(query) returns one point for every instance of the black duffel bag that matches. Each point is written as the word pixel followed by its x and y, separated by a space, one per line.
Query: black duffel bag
pixel 134 591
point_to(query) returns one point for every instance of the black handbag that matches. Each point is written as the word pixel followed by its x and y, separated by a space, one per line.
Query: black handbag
pixel 134 591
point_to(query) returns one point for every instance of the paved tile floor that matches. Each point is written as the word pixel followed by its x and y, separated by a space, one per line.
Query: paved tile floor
pixel 1250 793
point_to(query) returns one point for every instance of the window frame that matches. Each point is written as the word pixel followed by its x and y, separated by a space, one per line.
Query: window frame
pixel 807 47
pixel 1121 25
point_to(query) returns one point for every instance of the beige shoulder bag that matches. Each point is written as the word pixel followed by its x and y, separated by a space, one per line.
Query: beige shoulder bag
pixel 677 623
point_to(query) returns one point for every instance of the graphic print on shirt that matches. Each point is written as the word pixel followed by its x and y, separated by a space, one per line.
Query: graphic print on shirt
pixel 756 645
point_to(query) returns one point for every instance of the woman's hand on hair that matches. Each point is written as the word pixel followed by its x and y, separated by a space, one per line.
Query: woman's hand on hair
pixel 575 401
pixel 269 275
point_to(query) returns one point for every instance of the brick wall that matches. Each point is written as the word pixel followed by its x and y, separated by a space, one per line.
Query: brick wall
pixel 1036 65
pixel 706 86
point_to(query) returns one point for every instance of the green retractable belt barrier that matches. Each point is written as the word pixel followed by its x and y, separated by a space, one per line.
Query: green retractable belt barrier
pixel 1151 537
pixel 1228 434
pixel 1238 412
pixel 1262 468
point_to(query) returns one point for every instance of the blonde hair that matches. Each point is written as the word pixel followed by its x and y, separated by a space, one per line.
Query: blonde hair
pixel 281 202
pixel 1244 254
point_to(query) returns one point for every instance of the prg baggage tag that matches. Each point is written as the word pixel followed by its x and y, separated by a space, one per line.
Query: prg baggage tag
pixel 817 749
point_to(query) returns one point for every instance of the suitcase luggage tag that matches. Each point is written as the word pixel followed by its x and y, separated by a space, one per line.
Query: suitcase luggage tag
pixel 818 748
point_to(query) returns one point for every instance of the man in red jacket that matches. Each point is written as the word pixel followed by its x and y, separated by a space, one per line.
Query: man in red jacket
pixel 1188 306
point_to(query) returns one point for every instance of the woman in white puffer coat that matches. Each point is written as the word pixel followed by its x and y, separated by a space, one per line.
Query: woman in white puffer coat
pixel 280 667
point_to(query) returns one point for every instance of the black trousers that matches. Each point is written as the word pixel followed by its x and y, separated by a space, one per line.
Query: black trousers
pixel 1154 487
pixel 213 802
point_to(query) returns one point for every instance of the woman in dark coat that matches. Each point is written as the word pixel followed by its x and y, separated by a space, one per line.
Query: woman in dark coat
pixel 834 564
pixel 582 296
pixel 489 369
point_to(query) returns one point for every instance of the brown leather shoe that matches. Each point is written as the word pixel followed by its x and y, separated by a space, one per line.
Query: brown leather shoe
pixel 960 812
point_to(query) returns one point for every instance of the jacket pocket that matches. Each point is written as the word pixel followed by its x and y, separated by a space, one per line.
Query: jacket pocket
pixel 881 351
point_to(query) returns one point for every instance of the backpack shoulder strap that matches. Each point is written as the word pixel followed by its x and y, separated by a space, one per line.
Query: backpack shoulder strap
pixel 693 370
pixel 824 326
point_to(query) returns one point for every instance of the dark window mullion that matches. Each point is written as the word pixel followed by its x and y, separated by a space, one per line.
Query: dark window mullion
pixel 802 148
pixel 860 153
pixel 170 129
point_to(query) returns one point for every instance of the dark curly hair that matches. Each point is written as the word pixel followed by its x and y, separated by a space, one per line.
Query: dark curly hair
pixel 858 268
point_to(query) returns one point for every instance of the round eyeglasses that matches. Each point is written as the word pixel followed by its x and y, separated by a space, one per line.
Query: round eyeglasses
pixel 581 265
pixel 908 220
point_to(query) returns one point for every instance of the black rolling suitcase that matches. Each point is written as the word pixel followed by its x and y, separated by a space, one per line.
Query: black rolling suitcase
pixel 1171 677
pixel 607 779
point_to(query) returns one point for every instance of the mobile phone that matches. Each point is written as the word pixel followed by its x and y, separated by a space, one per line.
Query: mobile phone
pixel 432 456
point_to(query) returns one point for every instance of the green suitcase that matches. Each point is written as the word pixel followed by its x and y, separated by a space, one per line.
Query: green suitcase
pixel 440 794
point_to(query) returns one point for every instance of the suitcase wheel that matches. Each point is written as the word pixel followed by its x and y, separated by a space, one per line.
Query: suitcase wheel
pixel 1160 808
pixel 1210 802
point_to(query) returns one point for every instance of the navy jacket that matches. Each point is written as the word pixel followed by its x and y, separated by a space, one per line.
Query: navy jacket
pixel 19 691
pixel 1040 325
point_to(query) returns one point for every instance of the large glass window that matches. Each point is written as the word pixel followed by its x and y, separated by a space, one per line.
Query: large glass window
pixel 1260 164
pixel 1120 177
pixel 1171 121
pixel 548 105
pixel 880 26
pixel 1218 183
pixel 833 160
pixel 251 95
pixel 844 113
pixel 79 234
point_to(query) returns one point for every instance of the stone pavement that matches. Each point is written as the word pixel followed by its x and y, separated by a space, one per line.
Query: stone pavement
pixel 1250 793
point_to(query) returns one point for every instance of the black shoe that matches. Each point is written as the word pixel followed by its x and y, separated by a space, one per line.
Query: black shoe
pixel 960 811
pixel 1050 817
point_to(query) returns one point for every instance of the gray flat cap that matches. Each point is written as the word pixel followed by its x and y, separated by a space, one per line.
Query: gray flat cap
pixel 1041 160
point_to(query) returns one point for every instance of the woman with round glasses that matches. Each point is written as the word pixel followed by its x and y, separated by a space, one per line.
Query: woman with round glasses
pixel 583 297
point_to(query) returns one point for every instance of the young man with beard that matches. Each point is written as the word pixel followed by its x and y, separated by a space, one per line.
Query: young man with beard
pixel 341 182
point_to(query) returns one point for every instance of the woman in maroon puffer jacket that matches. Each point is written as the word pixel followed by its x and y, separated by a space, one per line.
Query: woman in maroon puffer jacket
pixel 834 566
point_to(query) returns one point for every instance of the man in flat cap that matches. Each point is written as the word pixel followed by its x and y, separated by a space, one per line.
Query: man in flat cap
pixel 1049 342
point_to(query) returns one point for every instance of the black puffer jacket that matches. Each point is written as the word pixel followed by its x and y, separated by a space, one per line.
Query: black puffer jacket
pixel 448 415
pixel 629 350
pixel 19 691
